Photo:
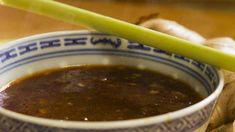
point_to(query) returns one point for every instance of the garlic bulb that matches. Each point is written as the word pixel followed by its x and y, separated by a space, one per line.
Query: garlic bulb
pixel 174 29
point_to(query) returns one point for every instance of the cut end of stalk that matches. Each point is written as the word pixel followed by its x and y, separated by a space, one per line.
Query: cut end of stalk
pixel 1 2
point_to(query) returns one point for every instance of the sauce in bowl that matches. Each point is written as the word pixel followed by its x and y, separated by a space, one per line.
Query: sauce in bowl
pixel 97 93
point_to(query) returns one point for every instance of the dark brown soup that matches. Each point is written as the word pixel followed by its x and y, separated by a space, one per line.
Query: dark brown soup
pixel 97 93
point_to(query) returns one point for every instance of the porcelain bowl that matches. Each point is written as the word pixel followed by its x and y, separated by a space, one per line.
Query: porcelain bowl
pixel 69 48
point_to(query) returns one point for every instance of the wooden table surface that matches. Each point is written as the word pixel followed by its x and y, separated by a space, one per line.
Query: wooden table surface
pixel 211 20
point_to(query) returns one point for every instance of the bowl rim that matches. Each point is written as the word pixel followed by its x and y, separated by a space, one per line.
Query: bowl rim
pixel 106 124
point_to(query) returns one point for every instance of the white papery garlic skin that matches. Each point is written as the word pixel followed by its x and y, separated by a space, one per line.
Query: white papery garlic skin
pixel 224 44
pixel 174 29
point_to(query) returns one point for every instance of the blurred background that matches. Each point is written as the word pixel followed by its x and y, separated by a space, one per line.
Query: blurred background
pixel 211 18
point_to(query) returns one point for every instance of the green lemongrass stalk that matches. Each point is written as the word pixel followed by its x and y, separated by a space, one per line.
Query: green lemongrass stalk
pixel 126 30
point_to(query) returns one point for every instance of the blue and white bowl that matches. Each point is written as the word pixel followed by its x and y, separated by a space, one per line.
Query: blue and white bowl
pixel 62 49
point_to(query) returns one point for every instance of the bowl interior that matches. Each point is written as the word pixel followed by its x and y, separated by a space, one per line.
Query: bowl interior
pixel 63 49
